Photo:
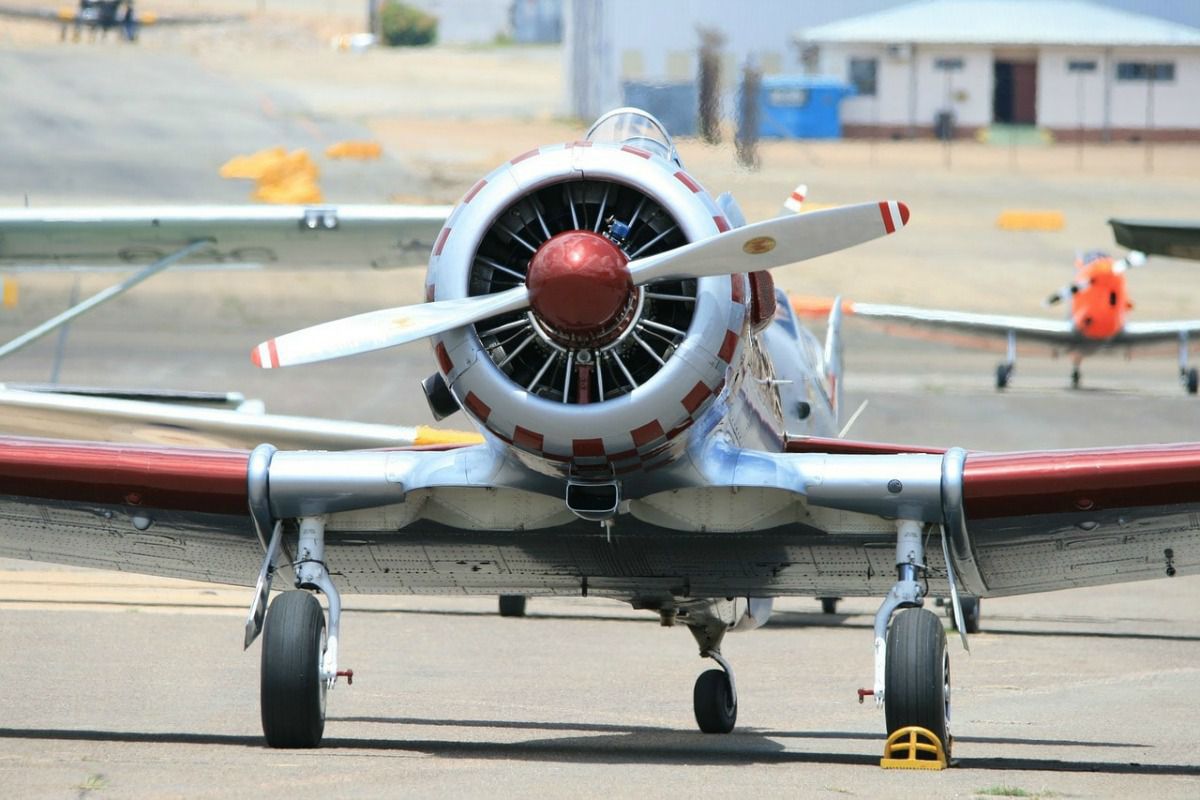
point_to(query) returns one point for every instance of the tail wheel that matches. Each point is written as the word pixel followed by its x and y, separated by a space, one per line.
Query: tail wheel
pixel 917 685
pixel 1193 381
pixel 293 693
pixel 512 605
pixel 714 703
pixel 1002 373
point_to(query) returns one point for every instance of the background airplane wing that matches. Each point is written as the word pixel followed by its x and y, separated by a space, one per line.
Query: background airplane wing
pixel 197 419
pixel 379 236
pixel 1172 238
pixel 1156 332
pixel 65 15
pixel 1049 331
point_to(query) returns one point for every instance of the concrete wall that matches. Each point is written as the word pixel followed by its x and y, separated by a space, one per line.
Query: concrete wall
pixel 910 90
pixel 1176 104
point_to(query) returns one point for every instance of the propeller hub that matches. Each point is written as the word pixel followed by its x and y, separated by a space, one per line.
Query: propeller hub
pixel 580 288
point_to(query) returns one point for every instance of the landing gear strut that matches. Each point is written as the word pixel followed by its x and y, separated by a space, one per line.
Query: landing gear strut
pixel 1004 370
pixel 1188 377
pixel 299 658
pixel 912 668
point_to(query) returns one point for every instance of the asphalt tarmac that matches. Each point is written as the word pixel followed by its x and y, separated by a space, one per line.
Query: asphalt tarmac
pixel 124 686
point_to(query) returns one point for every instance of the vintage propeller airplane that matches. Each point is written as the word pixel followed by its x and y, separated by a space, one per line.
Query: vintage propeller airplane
pixel 658 429
pixel 101 16
pixel 1097 320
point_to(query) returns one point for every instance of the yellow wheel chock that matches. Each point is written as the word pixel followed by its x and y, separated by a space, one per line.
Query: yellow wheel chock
pixel 914 741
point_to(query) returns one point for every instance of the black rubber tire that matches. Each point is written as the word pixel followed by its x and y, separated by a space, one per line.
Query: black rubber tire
pixel 1002 375
pixel 1193 381
pixel 829 604
pixel 917 685
pixel 1075 378
pixel 971 613
pixel 713 702
pixel 512 605
pixel 292 693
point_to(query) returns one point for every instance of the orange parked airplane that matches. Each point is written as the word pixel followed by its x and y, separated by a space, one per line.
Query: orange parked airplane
pixel 1098 319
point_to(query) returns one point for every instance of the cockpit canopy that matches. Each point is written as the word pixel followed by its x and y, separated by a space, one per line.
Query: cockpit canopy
pixel 637 128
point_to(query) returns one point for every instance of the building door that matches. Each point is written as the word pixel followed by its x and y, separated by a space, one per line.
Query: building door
pixel 1014 98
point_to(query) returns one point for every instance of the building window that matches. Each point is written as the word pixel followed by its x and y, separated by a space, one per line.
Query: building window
pixel 1081 66
pixel 948 64
pixel 1145 71
pixel 862 75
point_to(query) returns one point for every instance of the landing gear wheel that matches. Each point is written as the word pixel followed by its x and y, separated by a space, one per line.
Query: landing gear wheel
pixel 512 605
pixel 1193 381
pixel 971 613
pixel 829 604
pixel 293 693
pixel 917 686
pixel 713 702
pixel 1003 373
pixel 1075 379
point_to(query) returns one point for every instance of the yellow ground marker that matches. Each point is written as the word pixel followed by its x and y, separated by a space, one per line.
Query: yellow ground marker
pixel 913 740
pixel 297 162
pixel 428 435
pixel 10 292
pixel 1027 220
pixel 289 191
pixel 354 149
pixel 251 167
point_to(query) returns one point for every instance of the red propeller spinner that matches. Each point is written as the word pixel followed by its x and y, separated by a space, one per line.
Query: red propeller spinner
pixel 580 288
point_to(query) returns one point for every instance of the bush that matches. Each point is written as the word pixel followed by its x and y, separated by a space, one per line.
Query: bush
pixel 405 26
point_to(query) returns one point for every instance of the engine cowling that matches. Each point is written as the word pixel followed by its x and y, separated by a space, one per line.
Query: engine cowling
pixel 598 376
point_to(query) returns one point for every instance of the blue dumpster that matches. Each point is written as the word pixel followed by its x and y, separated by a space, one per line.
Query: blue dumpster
pixel 801 107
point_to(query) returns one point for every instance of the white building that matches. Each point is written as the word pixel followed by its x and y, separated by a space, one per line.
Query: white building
pixel 1069 66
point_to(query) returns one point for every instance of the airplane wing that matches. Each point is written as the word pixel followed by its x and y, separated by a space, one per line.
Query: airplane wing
pixel 1013 522
pixel 65 15
pixel 1153 332
pixel 195 419
pixel 1173 238
pixel 378 236
pixel 1050 331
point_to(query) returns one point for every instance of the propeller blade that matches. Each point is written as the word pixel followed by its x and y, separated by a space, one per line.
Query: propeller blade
pixel 1135 258
pixel 377 330
pixel 1068 291
pixel 775 242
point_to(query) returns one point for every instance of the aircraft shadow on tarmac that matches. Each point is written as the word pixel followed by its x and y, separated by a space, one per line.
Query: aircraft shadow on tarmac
pixel 633 745
pixel 799 619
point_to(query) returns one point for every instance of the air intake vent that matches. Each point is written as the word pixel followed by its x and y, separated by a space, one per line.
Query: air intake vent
pixel 522 347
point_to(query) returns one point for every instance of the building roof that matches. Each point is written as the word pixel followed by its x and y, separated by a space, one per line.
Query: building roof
pixel 1006 22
